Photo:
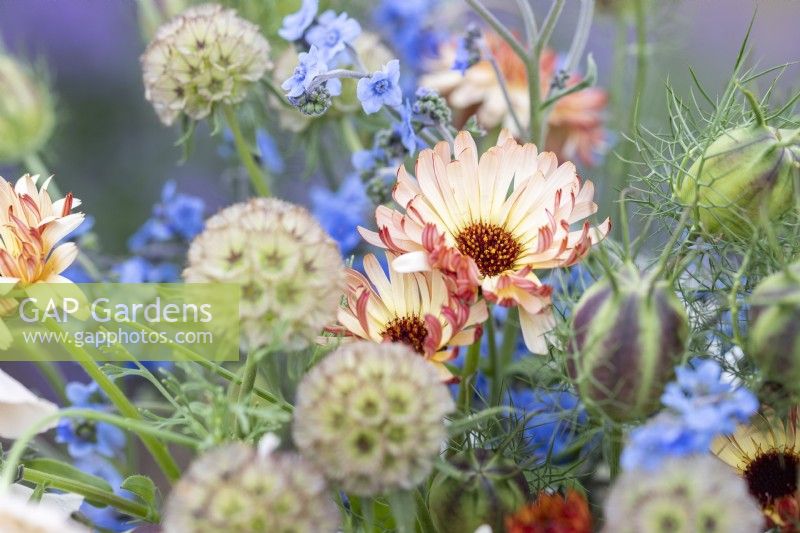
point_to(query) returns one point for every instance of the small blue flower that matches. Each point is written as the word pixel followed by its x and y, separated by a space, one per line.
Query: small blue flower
pixel 88 395
pixel 341 212
pixel 84 437
pixel 706 401
pixel 364 161
pixel 405 25
pixel 662 437
pixel 296 24
pixel 406 129
pixel 139 270
pixel 552 420
pixel 107 518
pixel 332 34
pixel 152 230
pixel 312 64
pixel 381 88
pixel 182 213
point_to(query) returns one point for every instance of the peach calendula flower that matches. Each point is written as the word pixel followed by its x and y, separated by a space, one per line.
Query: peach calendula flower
pixel 552 512
pixel 416 309
pixel 31 226
pixel 576 121
pixel 491 222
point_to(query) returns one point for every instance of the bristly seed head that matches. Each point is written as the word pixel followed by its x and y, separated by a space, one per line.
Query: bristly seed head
pixel 493 248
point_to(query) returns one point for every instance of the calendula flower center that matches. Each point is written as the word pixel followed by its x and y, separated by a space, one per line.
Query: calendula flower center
pixel 409 330
pixel 493 248
pixel 772 475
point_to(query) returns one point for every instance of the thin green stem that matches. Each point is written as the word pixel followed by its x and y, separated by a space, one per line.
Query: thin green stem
pixel 733 300
pixel 537 125
pixel 35 166
pixel 470 368
pixel 248 377
pixel 222 372
pixel 258 177
pixel 126 506
pixel 498 27
pixel 529 22
pixel 119 399
pixel 510 334
pixel 581 37
pixel 495 362
pixel 501 80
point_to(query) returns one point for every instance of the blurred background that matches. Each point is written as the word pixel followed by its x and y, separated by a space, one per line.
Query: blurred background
pixel 110 149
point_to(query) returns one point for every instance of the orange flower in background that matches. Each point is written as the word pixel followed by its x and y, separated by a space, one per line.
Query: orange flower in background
pixel 488 223
pixel 31 226
pixel 416 309
pixel 552 513
pixel 576 121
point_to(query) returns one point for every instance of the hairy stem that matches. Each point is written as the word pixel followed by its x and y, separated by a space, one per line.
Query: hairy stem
pixel 258 177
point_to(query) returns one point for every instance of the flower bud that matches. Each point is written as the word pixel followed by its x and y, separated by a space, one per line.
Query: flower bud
pixel 629 333
pixel 490 488
pixel 313 104
pixel 27 116
pixel 743 170
pixel 774 331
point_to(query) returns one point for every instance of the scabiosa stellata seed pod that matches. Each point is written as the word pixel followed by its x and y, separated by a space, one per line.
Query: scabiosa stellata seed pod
pixel 205 56
pixel 629 333
pixel 489 488
pixel 371 417
pixel 236 489
pixel 744 171
pixel 290 270
pixel 27 114
pixel 774 330
pixel 696 494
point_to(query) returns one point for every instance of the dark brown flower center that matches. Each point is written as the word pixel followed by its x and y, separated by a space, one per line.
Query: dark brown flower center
pixel 492 248
pixel 772 475
pixel 410 330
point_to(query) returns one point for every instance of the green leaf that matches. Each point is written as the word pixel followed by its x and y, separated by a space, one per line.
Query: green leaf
pixel 462 425
pixel 143 487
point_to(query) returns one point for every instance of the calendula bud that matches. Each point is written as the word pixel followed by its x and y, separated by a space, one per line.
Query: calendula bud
pixel 774 334
pixel 490 488
pixel 742 172
pixel 629 334
pixel 27 116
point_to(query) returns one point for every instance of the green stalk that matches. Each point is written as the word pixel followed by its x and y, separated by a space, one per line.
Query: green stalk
pixel 495 362
pixel 510 333
pixel 129 507
pixel 248 377
pixel 470 367
pixel 35 165
pixel 257 175
pixel 157 449
pixel 499 27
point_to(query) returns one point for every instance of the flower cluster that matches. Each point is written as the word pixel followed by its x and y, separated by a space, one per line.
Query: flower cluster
pixel 328 41
pixel 460 219
pixel 371 416
pixel 205 57
pixel 700 406
pixel 289 269
pixel 85 438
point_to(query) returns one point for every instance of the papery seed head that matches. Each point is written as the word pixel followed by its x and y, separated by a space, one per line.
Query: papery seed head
pixel 289 269
pixel 205 56
pixel 371 416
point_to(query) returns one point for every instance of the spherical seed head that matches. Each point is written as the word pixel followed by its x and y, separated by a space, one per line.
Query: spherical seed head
pixel 27 114
pixel 371 416
pixel 235 489
pixel 205 56
pixel 290 270
pixel 689 494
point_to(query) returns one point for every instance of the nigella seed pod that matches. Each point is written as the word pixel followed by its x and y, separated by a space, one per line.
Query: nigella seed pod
pixel 742 172
pixel 774 331
pixel 629 333
pixel 489 488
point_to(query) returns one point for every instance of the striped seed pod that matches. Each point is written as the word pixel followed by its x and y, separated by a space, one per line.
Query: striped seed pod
pixel 628 337
pixel 774 334
pixel 488 488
